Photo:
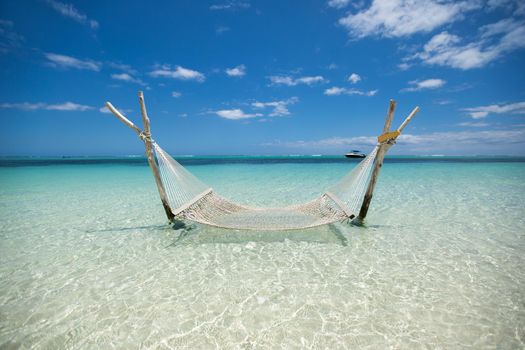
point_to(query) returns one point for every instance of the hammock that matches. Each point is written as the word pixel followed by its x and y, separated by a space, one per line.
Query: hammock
pixel 185 197
pixel 191 199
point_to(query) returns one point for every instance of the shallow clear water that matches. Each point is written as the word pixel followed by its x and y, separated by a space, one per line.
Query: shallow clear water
pixel 87 260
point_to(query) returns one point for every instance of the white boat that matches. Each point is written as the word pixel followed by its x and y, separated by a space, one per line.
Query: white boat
pixel 355 154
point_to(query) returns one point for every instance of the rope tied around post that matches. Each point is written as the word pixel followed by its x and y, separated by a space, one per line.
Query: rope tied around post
pixel 386 140
pixel 146 137
pixel 184 196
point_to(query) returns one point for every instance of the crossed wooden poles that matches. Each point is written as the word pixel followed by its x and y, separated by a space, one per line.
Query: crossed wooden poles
pixel 145 135
pixel 386 140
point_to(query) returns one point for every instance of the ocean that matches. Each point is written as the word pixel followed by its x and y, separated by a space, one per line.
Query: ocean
pixel 88 260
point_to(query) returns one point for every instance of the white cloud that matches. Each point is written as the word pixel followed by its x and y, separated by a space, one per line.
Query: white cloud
pixel 474 124
pixel 495 40
pixel 403 66
pixel 66 62
pixel 443 50
pixel 332 66
pixel 328 143
pixel 230 5
pixel 354 78
pixel 398 18
pixel 336 91
pixel 123 67
pixel 509 5
pixel 289 81
pixel 176 94
pixel 442 102
pixel 26 106
pixel 222 29
pixel 338 3
pixel 179 73
pixel 66 106
pixel 9 39
pixel 282 80
pixel 235 114
pixel 452 142
pixel 238 71
pixel 279 108
pixel 417 85
pixel 127 78
pixel 68 10
pixel 122 76
pixel 484 111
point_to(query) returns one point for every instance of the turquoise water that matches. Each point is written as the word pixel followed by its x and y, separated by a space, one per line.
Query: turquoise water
pixel 88 261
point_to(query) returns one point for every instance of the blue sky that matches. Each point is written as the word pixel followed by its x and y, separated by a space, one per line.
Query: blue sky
pixel 262 77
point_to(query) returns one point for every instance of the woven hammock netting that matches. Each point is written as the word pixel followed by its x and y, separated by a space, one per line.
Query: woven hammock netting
pixel 191 199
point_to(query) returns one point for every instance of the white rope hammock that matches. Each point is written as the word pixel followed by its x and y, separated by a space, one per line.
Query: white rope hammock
pixel 186 197
pixel 191 199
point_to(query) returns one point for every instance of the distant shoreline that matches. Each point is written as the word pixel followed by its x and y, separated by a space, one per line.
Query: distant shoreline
pixel 212 160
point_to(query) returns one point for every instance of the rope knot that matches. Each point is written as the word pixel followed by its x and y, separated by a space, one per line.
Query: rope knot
pixel 146 137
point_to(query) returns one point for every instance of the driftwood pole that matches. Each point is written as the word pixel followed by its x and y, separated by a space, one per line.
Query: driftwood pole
pixel 146 137
pixel 378 163
pixel 123 119
pixel 151 158
pixel 387 139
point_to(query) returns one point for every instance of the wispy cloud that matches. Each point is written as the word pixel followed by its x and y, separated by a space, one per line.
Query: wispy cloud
pixel 238 71
pixel 327 143
pixel 9 39
pixel 454 142
pixel 483 111
pixel 442 102
pixel 354 78
pixel 506 4
pixel 474 124
pixel 230 5
pixel 403 66
pixel 290 81
pixel 176 94
pixel 68 10
pixel 66 106
pixel 122 67
pixel 222 29
pixel 178 72
pixel 428 84
pixel 279 108
pixel 335 91
pixel 127 78
pixel 478 141
pixel 494 41
pixel 338 4
pixel 399 18
pixel 67 62
pixel 236 114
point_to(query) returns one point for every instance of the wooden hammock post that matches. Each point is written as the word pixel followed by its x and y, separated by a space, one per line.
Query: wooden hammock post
pixel 151 158
pixel 383 148
pixel 186 186
pixel 146 137
pixel 378 163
